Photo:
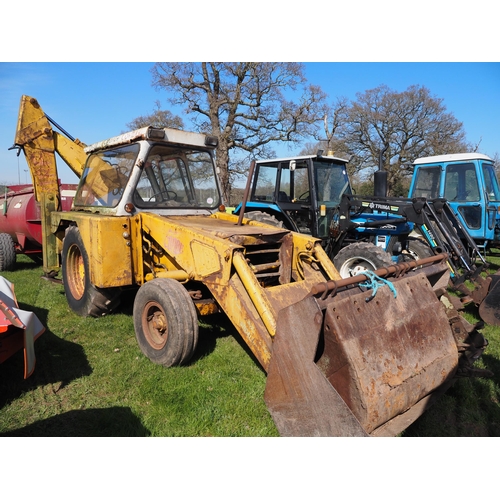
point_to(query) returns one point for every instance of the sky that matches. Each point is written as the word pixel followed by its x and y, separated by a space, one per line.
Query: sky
pixel 95 101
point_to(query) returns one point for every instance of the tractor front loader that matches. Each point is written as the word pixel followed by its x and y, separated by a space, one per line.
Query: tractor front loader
pixel 362 356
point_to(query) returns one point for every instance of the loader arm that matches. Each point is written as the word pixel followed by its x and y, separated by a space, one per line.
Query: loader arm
pixel 443 232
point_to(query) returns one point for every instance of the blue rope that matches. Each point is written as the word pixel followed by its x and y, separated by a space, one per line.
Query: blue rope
pixel 375 282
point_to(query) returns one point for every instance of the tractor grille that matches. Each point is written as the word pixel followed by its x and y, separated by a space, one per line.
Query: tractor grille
pixel 271 261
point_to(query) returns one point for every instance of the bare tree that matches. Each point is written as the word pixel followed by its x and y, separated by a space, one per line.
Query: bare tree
pixel 496 161
pixel 158 118
pixel 406 125
pixel 335 117
pixel 247 105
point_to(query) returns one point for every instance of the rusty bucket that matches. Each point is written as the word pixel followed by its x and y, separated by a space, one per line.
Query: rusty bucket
pixel 360 364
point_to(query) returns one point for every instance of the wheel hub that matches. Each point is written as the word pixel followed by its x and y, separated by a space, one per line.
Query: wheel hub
pixel 76 272
pixel 155 325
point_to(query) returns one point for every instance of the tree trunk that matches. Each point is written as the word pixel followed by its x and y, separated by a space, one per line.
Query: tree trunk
pixel 222 161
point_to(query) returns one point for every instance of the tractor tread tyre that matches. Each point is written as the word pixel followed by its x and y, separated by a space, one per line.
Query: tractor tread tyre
pixel 417 250
pixel 83 297
pixel 165 322
pixel 7 252
pixel 263 217
pixel 360 256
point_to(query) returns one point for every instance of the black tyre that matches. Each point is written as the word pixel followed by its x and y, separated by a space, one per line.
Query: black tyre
pixel 417 250
pixel 7 252
pixel 83 297
pixel 358 257
pixel 165 322
pixel 263 217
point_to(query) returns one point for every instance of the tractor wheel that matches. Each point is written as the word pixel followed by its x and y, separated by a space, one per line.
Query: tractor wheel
pixel 263 217
pixel 83 297
pixel 7 252
pixel 165 322
pixel 361 256
pixel 417 250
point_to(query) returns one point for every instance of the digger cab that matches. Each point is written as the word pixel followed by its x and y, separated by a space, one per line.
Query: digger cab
pixel 159 170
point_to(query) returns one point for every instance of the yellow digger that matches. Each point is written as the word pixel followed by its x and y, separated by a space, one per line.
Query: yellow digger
pixel 362 356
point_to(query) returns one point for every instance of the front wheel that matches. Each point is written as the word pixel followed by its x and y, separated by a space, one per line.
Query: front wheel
pixel 165 322
pixel 83 297
pixel 359 257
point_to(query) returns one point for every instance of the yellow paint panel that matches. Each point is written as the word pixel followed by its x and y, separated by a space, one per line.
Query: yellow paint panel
pixel 107 248
pixel 206 260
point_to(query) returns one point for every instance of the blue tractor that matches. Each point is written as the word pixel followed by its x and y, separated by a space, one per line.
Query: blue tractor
pixel 303 194
pixel 312 195
pixel 469 183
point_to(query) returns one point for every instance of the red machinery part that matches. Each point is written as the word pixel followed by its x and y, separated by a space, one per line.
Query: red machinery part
pixel 20 216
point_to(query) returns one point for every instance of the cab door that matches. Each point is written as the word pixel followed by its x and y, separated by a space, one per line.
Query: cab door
pixel 491 191
pixel 462 190
pixel 294 195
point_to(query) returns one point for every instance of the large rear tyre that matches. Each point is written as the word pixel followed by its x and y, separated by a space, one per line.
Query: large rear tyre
pixel 83 297
pixel 358 257
pixel 417 250
pixel 165 322
pixel 7 252
pixel 263 217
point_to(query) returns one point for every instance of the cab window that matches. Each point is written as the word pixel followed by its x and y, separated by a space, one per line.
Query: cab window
pixel 461 183
pixel 427 183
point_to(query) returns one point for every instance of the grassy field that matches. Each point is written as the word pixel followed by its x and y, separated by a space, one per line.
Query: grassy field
pixel 92 380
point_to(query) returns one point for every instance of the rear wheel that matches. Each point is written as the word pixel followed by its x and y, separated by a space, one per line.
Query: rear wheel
pixel 83 297
pixel 7 252
pixel 263 217
pixel 358 257
pixel 165 322
pixel 417 250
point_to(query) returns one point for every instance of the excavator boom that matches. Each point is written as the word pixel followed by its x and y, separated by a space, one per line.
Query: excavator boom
pixel 39 142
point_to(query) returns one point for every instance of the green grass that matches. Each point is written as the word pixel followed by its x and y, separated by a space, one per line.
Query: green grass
pixel 92 380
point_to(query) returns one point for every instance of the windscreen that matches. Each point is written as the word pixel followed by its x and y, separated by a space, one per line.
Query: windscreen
pixel 173 177
pixel 332 182
pixel 105 177
pixel 427 183
pixel 491 182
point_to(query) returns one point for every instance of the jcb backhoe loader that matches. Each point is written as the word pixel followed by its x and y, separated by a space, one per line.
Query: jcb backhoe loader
pixel 357 357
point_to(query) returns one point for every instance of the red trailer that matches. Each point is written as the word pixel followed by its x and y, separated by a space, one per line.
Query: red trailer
pixel 21 225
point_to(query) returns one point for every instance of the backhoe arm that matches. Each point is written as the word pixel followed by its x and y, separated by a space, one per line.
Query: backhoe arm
pixel 34 134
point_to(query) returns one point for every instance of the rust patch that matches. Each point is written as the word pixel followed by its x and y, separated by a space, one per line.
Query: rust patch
pixel 173 245
pixel 390 352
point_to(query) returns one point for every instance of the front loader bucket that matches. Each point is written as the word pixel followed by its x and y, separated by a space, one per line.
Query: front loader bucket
pixel 489 309
pixel 300 399
pixel 348 366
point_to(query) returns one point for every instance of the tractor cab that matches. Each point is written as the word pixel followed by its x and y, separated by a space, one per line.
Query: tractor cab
pixel 301 192
pixel 469 182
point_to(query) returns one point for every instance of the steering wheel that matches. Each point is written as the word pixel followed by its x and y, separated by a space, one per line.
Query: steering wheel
pixel 167 192
pixel 304 196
